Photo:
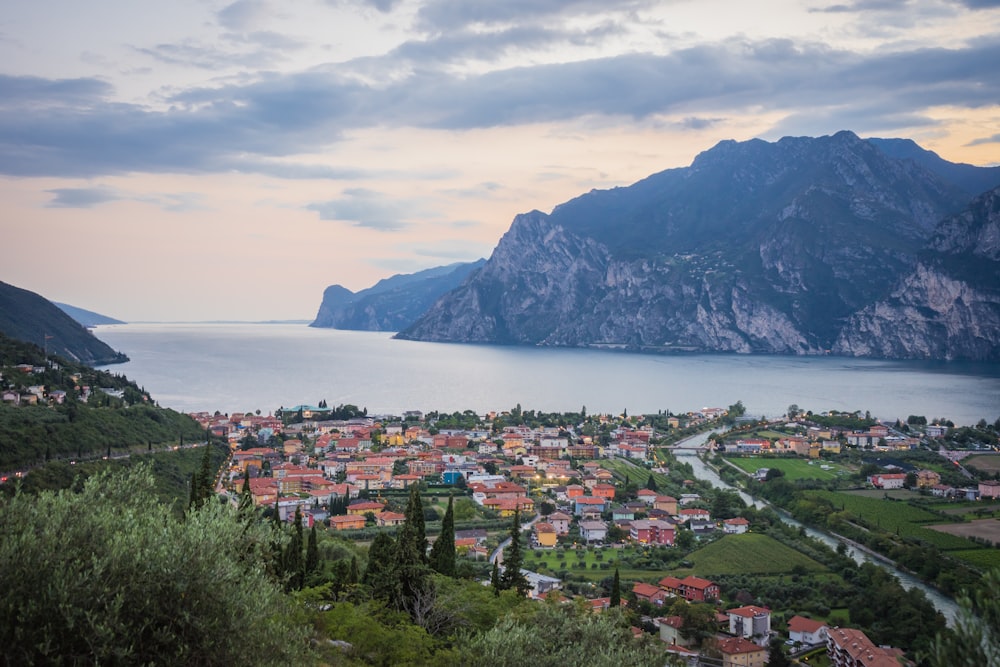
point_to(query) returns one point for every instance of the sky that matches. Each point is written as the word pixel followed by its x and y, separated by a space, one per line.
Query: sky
pixel 215 160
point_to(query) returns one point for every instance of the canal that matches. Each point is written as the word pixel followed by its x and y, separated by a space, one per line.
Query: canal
pixel 941 602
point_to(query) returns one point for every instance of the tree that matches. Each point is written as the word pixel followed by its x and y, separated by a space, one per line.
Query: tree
pixel 294 564
pixel 378 572
pixel 312 552
pixel 512 577
pixel 410 571
pixel 108 575
pixel 551 634
pixel 793 411
pixel 442 558
pixel 975 639
pixel 495 578
pixel 776 655
pixel 616 591
pixel 651 483
pixel 246 495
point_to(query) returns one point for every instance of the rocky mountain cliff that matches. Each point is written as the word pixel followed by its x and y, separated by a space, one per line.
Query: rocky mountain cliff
pixel 756 247
pixel 948 307
pixel 391 304
pixel 31 318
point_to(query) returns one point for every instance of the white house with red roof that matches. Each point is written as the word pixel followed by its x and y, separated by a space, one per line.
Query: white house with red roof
pixel 750 622
pixel 736 526
pixel 806 630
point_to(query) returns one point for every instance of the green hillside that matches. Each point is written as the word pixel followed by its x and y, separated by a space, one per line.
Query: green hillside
pixel 28 317
pixel 113 417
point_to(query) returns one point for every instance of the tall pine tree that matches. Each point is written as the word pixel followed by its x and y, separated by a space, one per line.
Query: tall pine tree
pixel 512 576
pixel 294 564
pixel 442 558
pixel 312 552
pixel 616 591
pixel 410 570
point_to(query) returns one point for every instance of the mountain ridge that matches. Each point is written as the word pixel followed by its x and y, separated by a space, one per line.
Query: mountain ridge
pixel 757 247
pixel 30 317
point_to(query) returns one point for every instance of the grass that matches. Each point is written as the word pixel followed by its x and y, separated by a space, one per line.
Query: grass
pixel 895 517
pixel 794 468
pixel 750 553
pixel 636 473
pixel 985 462
pixel 983 558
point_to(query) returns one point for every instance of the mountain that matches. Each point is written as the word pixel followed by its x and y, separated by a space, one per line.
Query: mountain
pixel 972 179
pixel 948 307
pixel 757 247
pixel 86 317
pixel 26 316
pixel 391 304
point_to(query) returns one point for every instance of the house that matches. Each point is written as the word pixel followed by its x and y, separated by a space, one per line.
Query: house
pixel 666 503
pixel 670 632
pixel 852 648
pixel 540 584
pixel 888 480
pixel 806 631
pixel 696 513
pixel 649 593
pixel 989 488
pixel 927 479
pixel 606 491
pixel 588 504
pixel 593 531
pixel 560 522
pixel 652 531
pixel 545 534
pixel 750 622
pixel 347 522
pixel 738 652
pixel 390 519
pixel 362 507
pixel 691 588
pixel 701 527
pixel 647 496
pixel 736 526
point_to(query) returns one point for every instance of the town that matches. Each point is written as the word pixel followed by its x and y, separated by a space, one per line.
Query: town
pixel 596 492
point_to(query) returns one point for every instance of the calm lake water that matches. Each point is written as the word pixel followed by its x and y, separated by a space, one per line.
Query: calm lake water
pixel 246 367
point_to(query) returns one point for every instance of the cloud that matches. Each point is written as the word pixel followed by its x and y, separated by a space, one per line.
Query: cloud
pixel 70 128
pixel 81 197
pixel 444 15
pixel 995 139
pixel 368 208
pixel 241 14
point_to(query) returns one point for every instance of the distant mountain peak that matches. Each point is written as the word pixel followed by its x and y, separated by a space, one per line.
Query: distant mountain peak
pixel 756 247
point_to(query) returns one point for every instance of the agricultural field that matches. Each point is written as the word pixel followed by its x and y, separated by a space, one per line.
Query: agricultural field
pixel 986 462
pixel 985 528
pixel 597 563
pixel 895 517
pixel 895 494
pixel 794 468
pixel 983 558
pixel 749 553
pixel 636 474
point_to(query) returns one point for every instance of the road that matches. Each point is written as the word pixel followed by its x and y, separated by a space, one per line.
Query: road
pixel 497 554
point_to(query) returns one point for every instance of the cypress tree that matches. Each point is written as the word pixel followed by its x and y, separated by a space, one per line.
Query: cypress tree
pixel 512 576
pixel 616 591
pixel 442 558
pixel 246 496
pixel 294 565
pixel 651 483
pixel 312 552
pixel 205 475
pixel 352 574
pixel 495 579
pixel 380 557
pixel 410 563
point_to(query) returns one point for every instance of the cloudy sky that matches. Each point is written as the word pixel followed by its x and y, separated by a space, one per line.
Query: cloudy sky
pixel 199 160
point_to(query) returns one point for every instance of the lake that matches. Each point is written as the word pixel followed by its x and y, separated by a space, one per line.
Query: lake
pixel 239 367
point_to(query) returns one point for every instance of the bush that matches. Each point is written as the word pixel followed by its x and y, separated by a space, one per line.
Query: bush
pixel 109 576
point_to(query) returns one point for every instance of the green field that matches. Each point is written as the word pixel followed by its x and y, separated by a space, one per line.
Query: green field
pixel 895 517
pixel 794 468
pixel 750 553
pixel 985 462
pixel 637 474
pixel 984 558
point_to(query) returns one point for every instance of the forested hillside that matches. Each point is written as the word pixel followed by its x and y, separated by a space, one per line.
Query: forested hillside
pixel 58 409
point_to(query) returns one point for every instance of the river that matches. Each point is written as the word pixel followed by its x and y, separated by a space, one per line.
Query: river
pixel 941 602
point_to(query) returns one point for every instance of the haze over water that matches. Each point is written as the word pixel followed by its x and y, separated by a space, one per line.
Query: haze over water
pixel 246 367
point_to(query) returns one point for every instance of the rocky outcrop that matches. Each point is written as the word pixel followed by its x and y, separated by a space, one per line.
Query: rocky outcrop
pixel 949 306
pixel 756 247
pixel 391 304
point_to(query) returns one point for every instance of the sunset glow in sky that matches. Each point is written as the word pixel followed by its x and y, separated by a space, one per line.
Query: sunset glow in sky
pixel 201 160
